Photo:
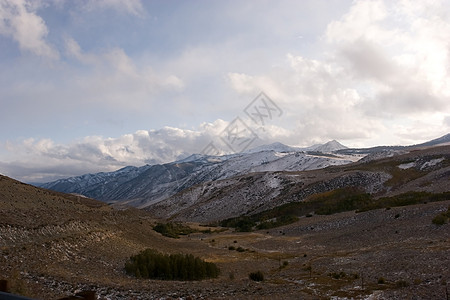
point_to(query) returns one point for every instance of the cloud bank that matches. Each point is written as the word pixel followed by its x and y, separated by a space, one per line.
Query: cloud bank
pixel 362 72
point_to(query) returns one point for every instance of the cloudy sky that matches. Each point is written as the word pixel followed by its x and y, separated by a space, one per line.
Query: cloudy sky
pixel 94 85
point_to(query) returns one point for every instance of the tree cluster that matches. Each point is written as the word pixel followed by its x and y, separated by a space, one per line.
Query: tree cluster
pixel 152 264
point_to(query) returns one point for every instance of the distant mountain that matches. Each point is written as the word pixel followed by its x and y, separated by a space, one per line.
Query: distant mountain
pixel 143 186
pixel 150 184
pixel 328 147
pixel 277 147
pixel 439 141
pixel 426 170
pixel 387 151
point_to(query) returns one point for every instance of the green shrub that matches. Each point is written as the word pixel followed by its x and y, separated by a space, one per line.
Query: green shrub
pixel 381 280
pixel 152 264
pixel 279 221
pixel 231 248
pixel 341 200
pixel 440 219
pixel 335 201
pixel 173 230
pixel 256 276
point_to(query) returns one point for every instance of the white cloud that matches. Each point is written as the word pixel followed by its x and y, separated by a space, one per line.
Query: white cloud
pixel 18 20
pixel 115 79
pixel 30 158
pixel 379 75
pixel 316 97
pixel 383 62
pixel 362 20
pixel 37 160
pixel 401 50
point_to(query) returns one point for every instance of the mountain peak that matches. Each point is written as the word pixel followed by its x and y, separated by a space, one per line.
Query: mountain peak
pixel 330 147
pixel 277 147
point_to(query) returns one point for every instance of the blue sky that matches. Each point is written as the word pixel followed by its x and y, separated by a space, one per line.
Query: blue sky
pixel 91 86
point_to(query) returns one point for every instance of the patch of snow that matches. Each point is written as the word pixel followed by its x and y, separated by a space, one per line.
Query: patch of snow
pixel 407 166
pixel 431 163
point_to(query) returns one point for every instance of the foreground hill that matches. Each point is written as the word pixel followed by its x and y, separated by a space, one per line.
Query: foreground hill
pixel 53 245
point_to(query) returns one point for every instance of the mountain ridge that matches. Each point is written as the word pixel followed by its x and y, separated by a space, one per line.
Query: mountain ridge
pixel 149 184
pixel 249 194
pixel 141 186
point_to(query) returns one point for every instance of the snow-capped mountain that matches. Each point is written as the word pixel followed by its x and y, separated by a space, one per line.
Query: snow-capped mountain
pixel 253 193
pixel 278 147
pixel 150 184
pixel 142 186
pixel 328 147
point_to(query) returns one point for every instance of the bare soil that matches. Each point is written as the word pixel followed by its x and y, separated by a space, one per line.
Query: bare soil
pixel 68 244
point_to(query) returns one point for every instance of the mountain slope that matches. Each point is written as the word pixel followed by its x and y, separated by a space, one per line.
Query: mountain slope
pixel 425 170
pixel 143 186
pixel 328 147
pixel 439 141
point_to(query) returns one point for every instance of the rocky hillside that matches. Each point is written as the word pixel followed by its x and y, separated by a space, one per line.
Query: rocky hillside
pixel 54 245
pixel 418 170
pixel 143 186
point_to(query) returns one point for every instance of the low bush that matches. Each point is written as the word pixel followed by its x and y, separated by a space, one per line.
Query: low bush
pixel 173 230
pixel 279 221
pixel 442 218
pixel 256 276
pixel 152 264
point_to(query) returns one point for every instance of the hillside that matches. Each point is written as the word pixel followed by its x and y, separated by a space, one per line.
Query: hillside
pixel 54 245
pixel 419 170
pixel 146 185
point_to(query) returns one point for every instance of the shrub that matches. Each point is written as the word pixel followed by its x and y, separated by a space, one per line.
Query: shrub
pixel 231 248
pixel 279 221
pixel 240 249
pixel 256 276
pixel 340 200
pixel 152 264
pixel 381 280
pixel 401 284
pixel 336 275
pixel 173 230
pixel 440 219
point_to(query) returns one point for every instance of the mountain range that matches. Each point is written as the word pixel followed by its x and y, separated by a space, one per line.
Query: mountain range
pixel 147 185
pixel 419 170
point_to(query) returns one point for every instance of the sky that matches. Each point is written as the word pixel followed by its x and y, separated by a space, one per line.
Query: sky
pixel 95 85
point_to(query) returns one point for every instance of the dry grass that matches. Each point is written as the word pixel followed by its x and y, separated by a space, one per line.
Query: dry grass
pixel 84 244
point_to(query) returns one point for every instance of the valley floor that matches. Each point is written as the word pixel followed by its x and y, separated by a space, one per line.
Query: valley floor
pixel 380 254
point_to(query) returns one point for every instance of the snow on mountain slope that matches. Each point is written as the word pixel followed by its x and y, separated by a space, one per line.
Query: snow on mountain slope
pixel 329 147
pixel 252 193
pixel 143 186
pixel 278 147
pixel 95 185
